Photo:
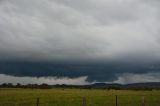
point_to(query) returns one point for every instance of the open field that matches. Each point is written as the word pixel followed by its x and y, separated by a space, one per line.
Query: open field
pixel 73 97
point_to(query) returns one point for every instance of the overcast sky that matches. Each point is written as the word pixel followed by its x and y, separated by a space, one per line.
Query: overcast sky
pixel 98 40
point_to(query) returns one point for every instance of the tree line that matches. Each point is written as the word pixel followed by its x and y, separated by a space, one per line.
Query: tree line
pixel 135 86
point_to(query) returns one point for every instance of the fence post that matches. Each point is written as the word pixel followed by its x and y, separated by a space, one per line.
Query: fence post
pixel 84 102
pixel 116 101
pixel 143 101
pixel 37 103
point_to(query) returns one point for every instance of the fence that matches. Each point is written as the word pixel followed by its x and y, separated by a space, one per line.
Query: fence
pixel 116 101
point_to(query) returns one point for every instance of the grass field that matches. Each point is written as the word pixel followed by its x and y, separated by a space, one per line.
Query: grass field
pixel 73 97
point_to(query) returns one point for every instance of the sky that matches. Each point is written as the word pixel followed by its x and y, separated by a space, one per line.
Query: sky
pixel 79 42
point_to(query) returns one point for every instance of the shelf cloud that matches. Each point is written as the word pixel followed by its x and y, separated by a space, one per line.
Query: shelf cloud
pixel 73 38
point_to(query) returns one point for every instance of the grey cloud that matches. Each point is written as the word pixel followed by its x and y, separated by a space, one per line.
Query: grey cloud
pixel 63 30
pixel 95 71
pixel 126 78
pixel 45 29
pixel 48 80
pixel 124 33
pixel 108 11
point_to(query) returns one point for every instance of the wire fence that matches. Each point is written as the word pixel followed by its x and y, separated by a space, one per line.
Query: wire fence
pixel 116 100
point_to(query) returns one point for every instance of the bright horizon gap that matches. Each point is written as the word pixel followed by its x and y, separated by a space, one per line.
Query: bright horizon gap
pixel 125 78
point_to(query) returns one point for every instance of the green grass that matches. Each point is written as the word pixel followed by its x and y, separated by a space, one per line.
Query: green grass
pixel 73 97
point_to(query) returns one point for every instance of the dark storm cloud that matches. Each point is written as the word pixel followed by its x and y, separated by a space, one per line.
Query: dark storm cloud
pixel 94 72
pixel 73 38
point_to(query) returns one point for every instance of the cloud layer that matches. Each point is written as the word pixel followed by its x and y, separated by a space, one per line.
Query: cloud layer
pixel 41 80
pixel 65 30
pixel 122 79
pixel 71 38
pixel 137 78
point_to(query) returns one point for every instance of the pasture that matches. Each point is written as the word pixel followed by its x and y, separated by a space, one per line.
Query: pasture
pixel 75 97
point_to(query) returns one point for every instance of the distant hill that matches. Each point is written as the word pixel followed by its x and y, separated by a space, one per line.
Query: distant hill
pixel 149 85
pixel 133 86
